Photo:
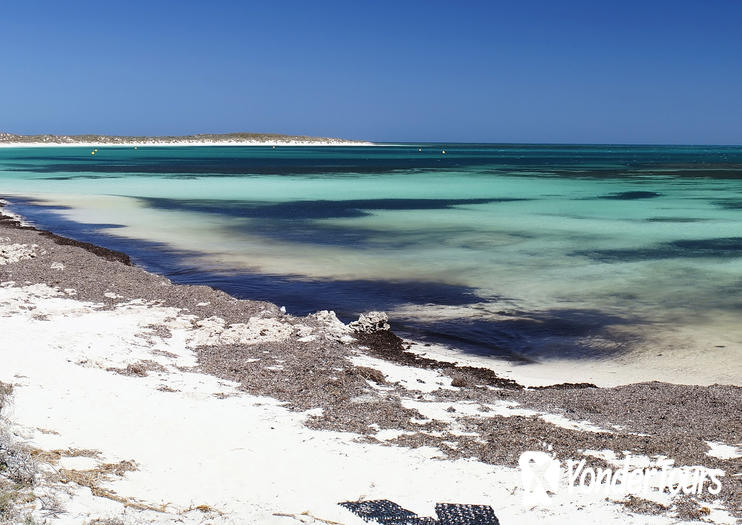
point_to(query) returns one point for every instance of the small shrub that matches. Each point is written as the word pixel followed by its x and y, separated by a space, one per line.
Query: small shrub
pixel 16 463
pixel 5 390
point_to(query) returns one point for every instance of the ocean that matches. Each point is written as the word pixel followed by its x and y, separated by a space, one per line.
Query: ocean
pixel 526 252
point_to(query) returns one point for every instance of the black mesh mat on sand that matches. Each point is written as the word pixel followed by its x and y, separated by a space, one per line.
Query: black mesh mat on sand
pixel 385 512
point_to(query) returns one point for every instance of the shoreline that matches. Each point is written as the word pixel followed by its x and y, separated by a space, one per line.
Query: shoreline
pixel 636 364
pixel 125 337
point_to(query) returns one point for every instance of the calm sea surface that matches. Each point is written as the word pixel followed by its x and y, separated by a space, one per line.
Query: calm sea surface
pixel 524 251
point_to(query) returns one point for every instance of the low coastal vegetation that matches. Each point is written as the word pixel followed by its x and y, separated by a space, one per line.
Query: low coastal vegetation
pixel 216 138
pixel 5 391
pixel 17 472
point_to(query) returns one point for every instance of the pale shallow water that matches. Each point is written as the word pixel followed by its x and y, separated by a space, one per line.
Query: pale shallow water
pixel 530 252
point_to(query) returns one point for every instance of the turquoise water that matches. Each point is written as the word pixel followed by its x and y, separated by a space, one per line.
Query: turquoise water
pixel 526 251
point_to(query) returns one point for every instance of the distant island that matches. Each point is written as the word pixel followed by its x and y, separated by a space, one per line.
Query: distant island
pixel 203 139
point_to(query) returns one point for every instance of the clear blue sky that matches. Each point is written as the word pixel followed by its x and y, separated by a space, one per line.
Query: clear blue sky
pixel 527 71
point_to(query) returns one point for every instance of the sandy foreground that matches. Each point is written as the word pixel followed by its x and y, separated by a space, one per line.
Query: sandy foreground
pixel 143 401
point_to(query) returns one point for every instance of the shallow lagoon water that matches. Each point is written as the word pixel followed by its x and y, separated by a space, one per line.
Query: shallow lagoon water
pixel 526 252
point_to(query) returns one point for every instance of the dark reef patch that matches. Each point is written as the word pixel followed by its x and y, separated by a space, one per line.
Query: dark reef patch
pixel 82 177
pixel 728 204
pixel 720 248
pixel 631 195
pixel 301 221
pixel 309 209
pixel 527 336
pixel 674 219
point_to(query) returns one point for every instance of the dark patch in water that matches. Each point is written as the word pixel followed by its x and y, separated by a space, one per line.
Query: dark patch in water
pixel 314 209
pixel 348 298
pixel 674 219
pixel 728 204
pixel 631 195
pixel 728 246
pixel 298 221
pixel 91 177
pixel 323 234
pixel 720 248
pixel 527 336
